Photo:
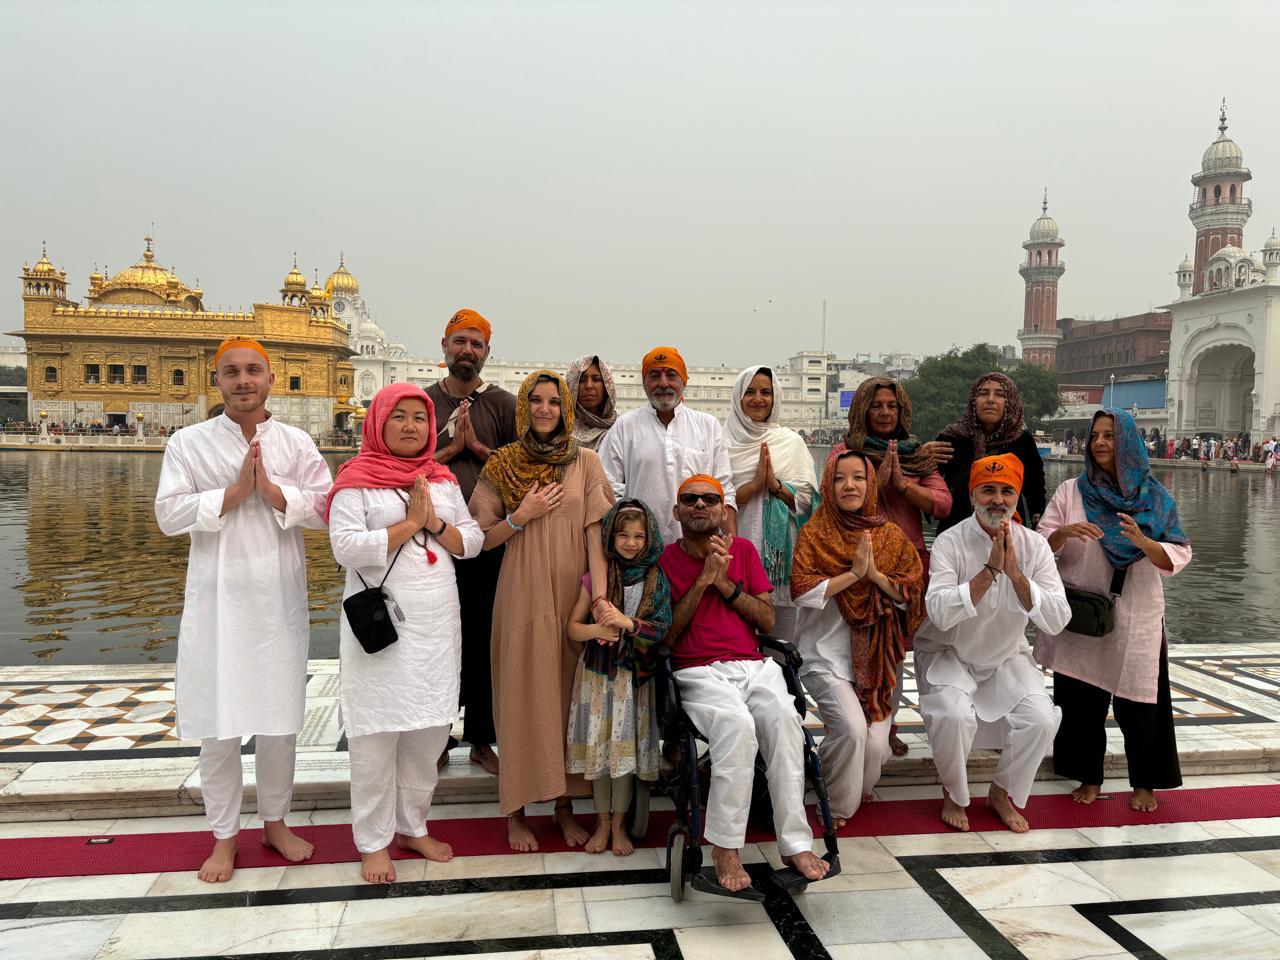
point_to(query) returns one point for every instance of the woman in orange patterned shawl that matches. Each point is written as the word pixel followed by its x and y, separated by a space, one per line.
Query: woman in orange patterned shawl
pixel 851 554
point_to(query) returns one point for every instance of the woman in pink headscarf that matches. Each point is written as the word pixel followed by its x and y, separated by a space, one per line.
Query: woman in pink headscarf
pixel 397 517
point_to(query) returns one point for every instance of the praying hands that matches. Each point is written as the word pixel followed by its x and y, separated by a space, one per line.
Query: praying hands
pixel 252 478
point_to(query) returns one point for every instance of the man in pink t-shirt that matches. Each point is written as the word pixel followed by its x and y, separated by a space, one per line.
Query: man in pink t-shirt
pixel 735 696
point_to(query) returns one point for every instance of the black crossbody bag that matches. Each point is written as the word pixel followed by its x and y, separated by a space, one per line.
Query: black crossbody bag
pixel 1094 614
pixel 369 613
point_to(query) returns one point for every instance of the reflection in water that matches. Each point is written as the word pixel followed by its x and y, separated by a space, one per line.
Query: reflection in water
pixel 87 577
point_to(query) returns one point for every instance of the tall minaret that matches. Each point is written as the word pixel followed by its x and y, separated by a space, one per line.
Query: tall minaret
pixel 1039 334
pixel 1219 208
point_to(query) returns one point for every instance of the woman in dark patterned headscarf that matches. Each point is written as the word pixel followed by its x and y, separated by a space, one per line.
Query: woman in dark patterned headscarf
pixel 992 424
pixel 907 476
pixel 590 383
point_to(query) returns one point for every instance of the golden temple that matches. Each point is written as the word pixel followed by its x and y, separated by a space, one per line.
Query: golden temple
pixel 140 349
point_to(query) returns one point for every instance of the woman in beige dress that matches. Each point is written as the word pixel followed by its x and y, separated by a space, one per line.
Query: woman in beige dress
pixel 544 497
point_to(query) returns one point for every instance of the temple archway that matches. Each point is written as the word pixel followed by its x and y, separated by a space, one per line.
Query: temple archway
pixel 1221 387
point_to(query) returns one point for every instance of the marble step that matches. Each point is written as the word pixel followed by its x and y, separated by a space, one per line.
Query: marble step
pixel 93 789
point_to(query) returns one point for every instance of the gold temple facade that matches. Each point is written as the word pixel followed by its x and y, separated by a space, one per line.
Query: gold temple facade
pixel 140 348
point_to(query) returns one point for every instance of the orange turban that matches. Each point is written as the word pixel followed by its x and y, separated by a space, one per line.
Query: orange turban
pixel 1005 468
pixel 240 343
pixel 702 478
pixel 469 320
pixel 668 357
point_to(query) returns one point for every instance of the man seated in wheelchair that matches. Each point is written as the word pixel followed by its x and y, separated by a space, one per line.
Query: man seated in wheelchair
pixel 735 695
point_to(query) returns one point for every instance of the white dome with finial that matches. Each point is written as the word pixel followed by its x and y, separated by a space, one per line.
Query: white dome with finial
pixel 1045 229
pixel 1186 266
pixel 1223 155
pixel 1273 242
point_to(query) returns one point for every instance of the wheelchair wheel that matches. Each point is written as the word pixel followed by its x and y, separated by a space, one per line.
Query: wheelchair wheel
pixel 675 864
pixel 639 813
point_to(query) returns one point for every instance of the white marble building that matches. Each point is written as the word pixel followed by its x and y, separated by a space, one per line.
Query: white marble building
pixel 1226 332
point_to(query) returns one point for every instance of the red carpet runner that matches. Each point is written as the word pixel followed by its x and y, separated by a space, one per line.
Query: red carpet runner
pixel 186 850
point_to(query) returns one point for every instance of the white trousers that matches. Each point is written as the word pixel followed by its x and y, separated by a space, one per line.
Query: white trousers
pixel 222 780
pixel 852 752
pixel 741 707
pixel 1025 735
pixel 393 778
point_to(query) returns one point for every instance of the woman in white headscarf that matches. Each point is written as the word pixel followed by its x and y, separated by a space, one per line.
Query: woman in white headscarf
pixel 774 479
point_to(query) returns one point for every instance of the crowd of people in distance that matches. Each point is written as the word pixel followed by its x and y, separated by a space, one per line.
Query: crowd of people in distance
pixel 1206 448
pixel 540 561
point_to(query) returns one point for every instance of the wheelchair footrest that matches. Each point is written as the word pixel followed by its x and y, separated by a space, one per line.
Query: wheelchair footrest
pixel 793 881
pixel 705 881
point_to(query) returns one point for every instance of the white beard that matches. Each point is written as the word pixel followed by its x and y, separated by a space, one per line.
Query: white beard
pixel 991 517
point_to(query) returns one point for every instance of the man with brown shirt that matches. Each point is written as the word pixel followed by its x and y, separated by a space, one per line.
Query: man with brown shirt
pixel 473 419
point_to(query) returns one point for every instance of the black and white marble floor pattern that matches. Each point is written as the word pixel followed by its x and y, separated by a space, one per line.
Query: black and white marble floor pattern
pixel 1178 891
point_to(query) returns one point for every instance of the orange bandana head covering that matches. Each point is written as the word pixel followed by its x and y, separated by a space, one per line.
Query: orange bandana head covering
pixel 668 357
pixel 469 320
pixel 1005 468
pixel 702 478
pixel 238 343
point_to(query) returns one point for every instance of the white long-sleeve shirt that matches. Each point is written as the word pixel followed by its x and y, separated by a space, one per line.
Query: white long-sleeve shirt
pixel 982 648
pixel 647 460
pixel 412 684
pixel 993 630
pixel 245 628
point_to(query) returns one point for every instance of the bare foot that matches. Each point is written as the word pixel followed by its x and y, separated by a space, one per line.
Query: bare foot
pixel 443 760
pixel 868 797
pixel 599 841
pixel 519 836
pixel 898 746
pixel 287 843
pixel 729 871
pixel 954 815
pixel 812 867
pixel 998 802
pixel 429 847
pixel 486 757
pixel 574 834
pixel 837 823
pixel 622 845
pixel 377 867
pixel 221 863
pixel 1144 801
pixel 1086 792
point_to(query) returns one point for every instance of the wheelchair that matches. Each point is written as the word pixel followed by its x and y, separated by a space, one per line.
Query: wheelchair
pixel 683 777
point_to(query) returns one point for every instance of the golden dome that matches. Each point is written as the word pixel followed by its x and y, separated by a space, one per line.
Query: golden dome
pixel 149 277
pixel 44 266
pixel 147 274
pixel 295 280
pixel 341 280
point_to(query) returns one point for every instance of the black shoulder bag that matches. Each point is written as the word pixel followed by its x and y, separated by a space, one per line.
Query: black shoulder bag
pixel 368 614
pixel 1094 614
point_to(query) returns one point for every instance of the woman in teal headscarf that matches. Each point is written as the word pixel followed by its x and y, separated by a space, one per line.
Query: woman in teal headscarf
pixel 1115 518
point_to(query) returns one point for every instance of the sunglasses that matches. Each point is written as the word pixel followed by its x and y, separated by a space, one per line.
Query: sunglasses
pixel 692 499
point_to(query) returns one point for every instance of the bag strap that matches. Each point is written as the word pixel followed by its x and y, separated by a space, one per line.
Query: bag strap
pixel 1117 580
pixel 385 575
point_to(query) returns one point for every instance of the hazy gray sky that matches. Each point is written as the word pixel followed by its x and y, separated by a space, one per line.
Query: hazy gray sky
pixel 607 176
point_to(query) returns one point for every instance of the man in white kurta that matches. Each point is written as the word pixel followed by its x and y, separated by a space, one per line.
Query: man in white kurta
pixel 243 485
pixel 648 452
pixel 978 684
